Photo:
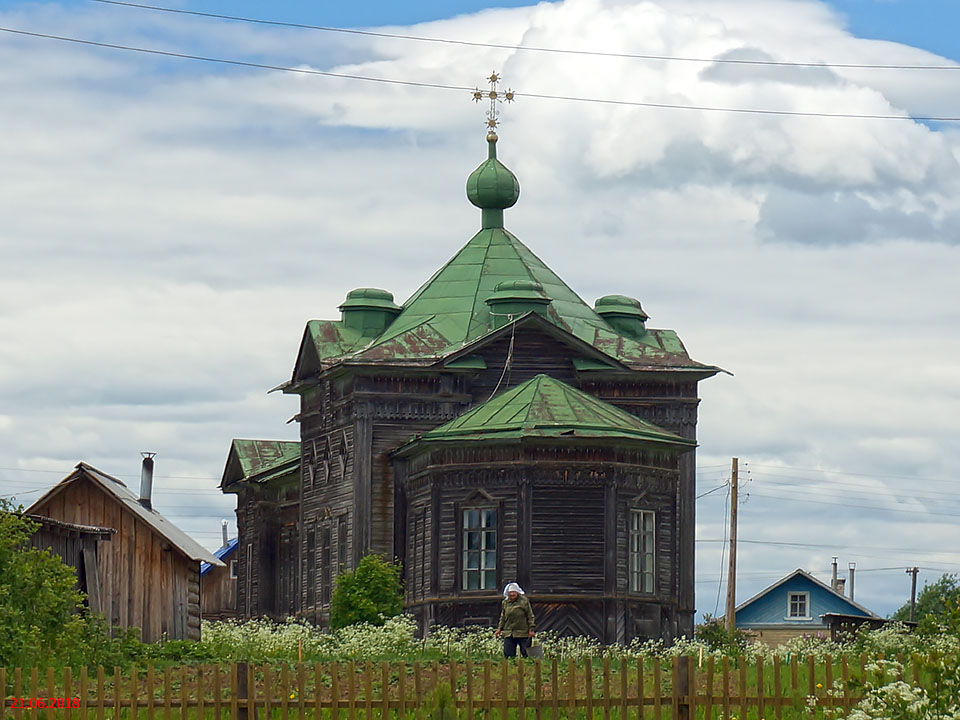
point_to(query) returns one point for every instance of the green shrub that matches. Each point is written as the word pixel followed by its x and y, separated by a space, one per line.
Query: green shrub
pixel 369 594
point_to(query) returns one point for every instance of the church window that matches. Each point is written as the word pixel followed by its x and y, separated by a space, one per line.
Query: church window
pixel 642 550
pixel 798 605
pixel 479 548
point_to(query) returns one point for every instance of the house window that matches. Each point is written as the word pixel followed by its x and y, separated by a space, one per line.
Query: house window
pixel 479 548
pixel 233 569
pixel 798 605
pixel 642 542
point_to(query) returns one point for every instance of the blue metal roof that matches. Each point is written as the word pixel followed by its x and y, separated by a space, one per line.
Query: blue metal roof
pixel 221 554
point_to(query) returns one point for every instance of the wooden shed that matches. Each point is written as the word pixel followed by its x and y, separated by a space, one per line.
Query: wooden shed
pixel 77 546
pixel 150 572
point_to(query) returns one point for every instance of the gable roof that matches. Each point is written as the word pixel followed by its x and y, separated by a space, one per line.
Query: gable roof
pixel 221 554
pixel 260 461
pixel 544 407
pixel 130 501
pixel 802 573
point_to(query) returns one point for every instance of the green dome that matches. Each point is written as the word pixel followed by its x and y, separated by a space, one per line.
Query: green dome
pixel 492 186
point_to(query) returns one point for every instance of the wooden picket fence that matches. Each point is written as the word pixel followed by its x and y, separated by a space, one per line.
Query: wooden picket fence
pixel 627 689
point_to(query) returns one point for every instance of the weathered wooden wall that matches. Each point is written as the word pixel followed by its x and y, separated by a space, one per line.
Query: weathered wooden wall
pixel 563 535
pixel 218 593
pixel 146 583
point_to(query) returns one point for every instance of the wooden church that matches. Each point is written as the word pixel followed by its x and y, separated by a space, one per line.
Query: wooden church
pixel 492 428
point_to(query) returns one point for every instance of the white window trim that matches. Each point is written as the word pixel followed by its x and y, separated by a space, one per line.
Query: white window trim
pixel 653 550
pixel 798 618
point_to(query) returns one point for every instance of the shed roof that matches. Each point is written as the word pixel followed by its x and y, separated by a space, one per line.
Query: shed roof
pixel 122 494
pixel 544 407
pixel 260 461
pixel 100 533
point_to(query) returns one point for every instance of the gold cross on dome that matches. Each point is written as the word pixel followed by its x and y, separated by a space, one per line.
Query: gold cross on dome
pixel 495 96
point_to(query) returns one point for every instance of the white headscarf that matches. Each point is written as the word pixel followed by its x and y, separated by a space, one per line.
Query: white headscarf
pixel 513 587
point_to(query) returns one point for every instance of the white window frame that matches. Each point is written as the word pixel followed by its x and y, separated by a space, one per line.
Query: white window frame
pixel 806 605
pixel 233 569
pixel 642 577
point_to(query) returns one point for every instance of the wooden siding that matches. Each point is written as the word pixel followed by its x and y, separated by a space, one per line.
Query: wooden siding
pixel 568 539
pixel 218 592
pixel 146 582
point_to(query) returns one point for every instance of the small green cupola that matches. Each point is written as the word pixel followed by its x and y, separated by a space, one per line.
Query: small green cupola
pixel 623 313
pixel 492 187
pixel 369 311
pixel 513 298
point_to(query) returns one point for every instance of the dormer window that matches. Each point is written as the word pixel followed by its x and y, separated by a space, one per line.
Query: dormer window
pixel 798 606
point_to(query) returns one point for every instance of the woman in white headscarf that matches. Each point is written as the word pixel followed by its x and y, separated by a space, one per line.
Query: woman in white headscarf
pixel 516 621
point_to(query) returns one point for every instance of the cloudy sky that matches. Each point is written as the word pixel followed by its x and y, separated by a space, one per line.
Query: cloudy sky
pixel 169 225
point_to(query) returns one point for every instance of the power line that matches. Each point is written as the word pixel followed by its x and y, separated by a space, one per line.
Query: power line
pixel 845 494
pixel 528 48
pixel 463 88
pixel 856 489
pixel 837 547
pixel 794 498
pixel 847 472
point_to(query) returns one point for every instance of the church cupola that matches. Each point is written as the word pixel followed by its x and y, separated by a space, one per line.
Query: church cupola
pixel 513 298
pixel 369 311
pixel 623 313
pixel 492 187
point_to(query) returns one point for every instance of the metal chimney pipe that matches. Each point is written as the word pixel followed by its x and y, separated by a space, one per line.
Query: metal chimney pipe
pixel 223 532
pixel 833 578
pixel 852 566
pixel 146 480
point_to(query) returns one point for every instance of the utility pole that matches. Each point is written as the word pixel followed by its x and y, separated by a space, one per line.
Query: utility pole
pixel 913 590
pixel 731 620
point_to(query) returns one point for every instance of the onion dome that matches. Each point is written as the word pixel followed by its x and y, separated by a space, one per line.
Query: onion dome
pixel 492 187
pixel 623 313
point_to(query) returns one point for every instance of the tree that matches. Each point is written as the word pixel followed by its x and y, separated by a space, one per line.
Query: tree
pixel 934 601
pixel 39 622
pixel 371 593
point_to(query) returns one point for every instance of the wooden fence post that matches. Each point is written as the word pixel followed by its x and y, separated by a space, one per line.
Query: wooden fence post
pixel 243 692
pixel 681 687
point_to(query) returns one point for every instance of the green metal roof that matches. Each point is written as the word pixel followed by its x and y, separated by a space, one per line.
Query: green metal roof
pixel 548 408
pixel 450 311
pixel 260 461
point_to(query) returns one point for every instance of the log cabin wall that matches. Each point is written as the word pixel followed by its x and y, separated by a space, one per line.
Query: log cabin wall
pixel 147 583
pixel 577 502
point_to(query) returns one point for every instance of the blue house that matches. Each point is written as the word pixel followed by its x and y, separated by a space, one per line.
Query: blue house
pixel 795 605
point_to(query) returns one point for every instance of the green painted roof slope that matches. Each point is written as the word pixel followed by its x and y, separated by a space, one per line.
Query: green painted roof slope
pixel 450 311
pixel 260 460
pixel 544 407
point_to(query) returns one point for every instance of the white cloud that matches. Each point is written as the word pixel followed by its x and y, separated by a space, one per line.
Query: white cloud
pixel 170 226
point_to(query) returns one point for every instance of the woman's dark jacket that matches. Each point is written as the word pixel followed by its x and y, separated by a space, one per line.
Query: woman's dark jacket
pixel 516 617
